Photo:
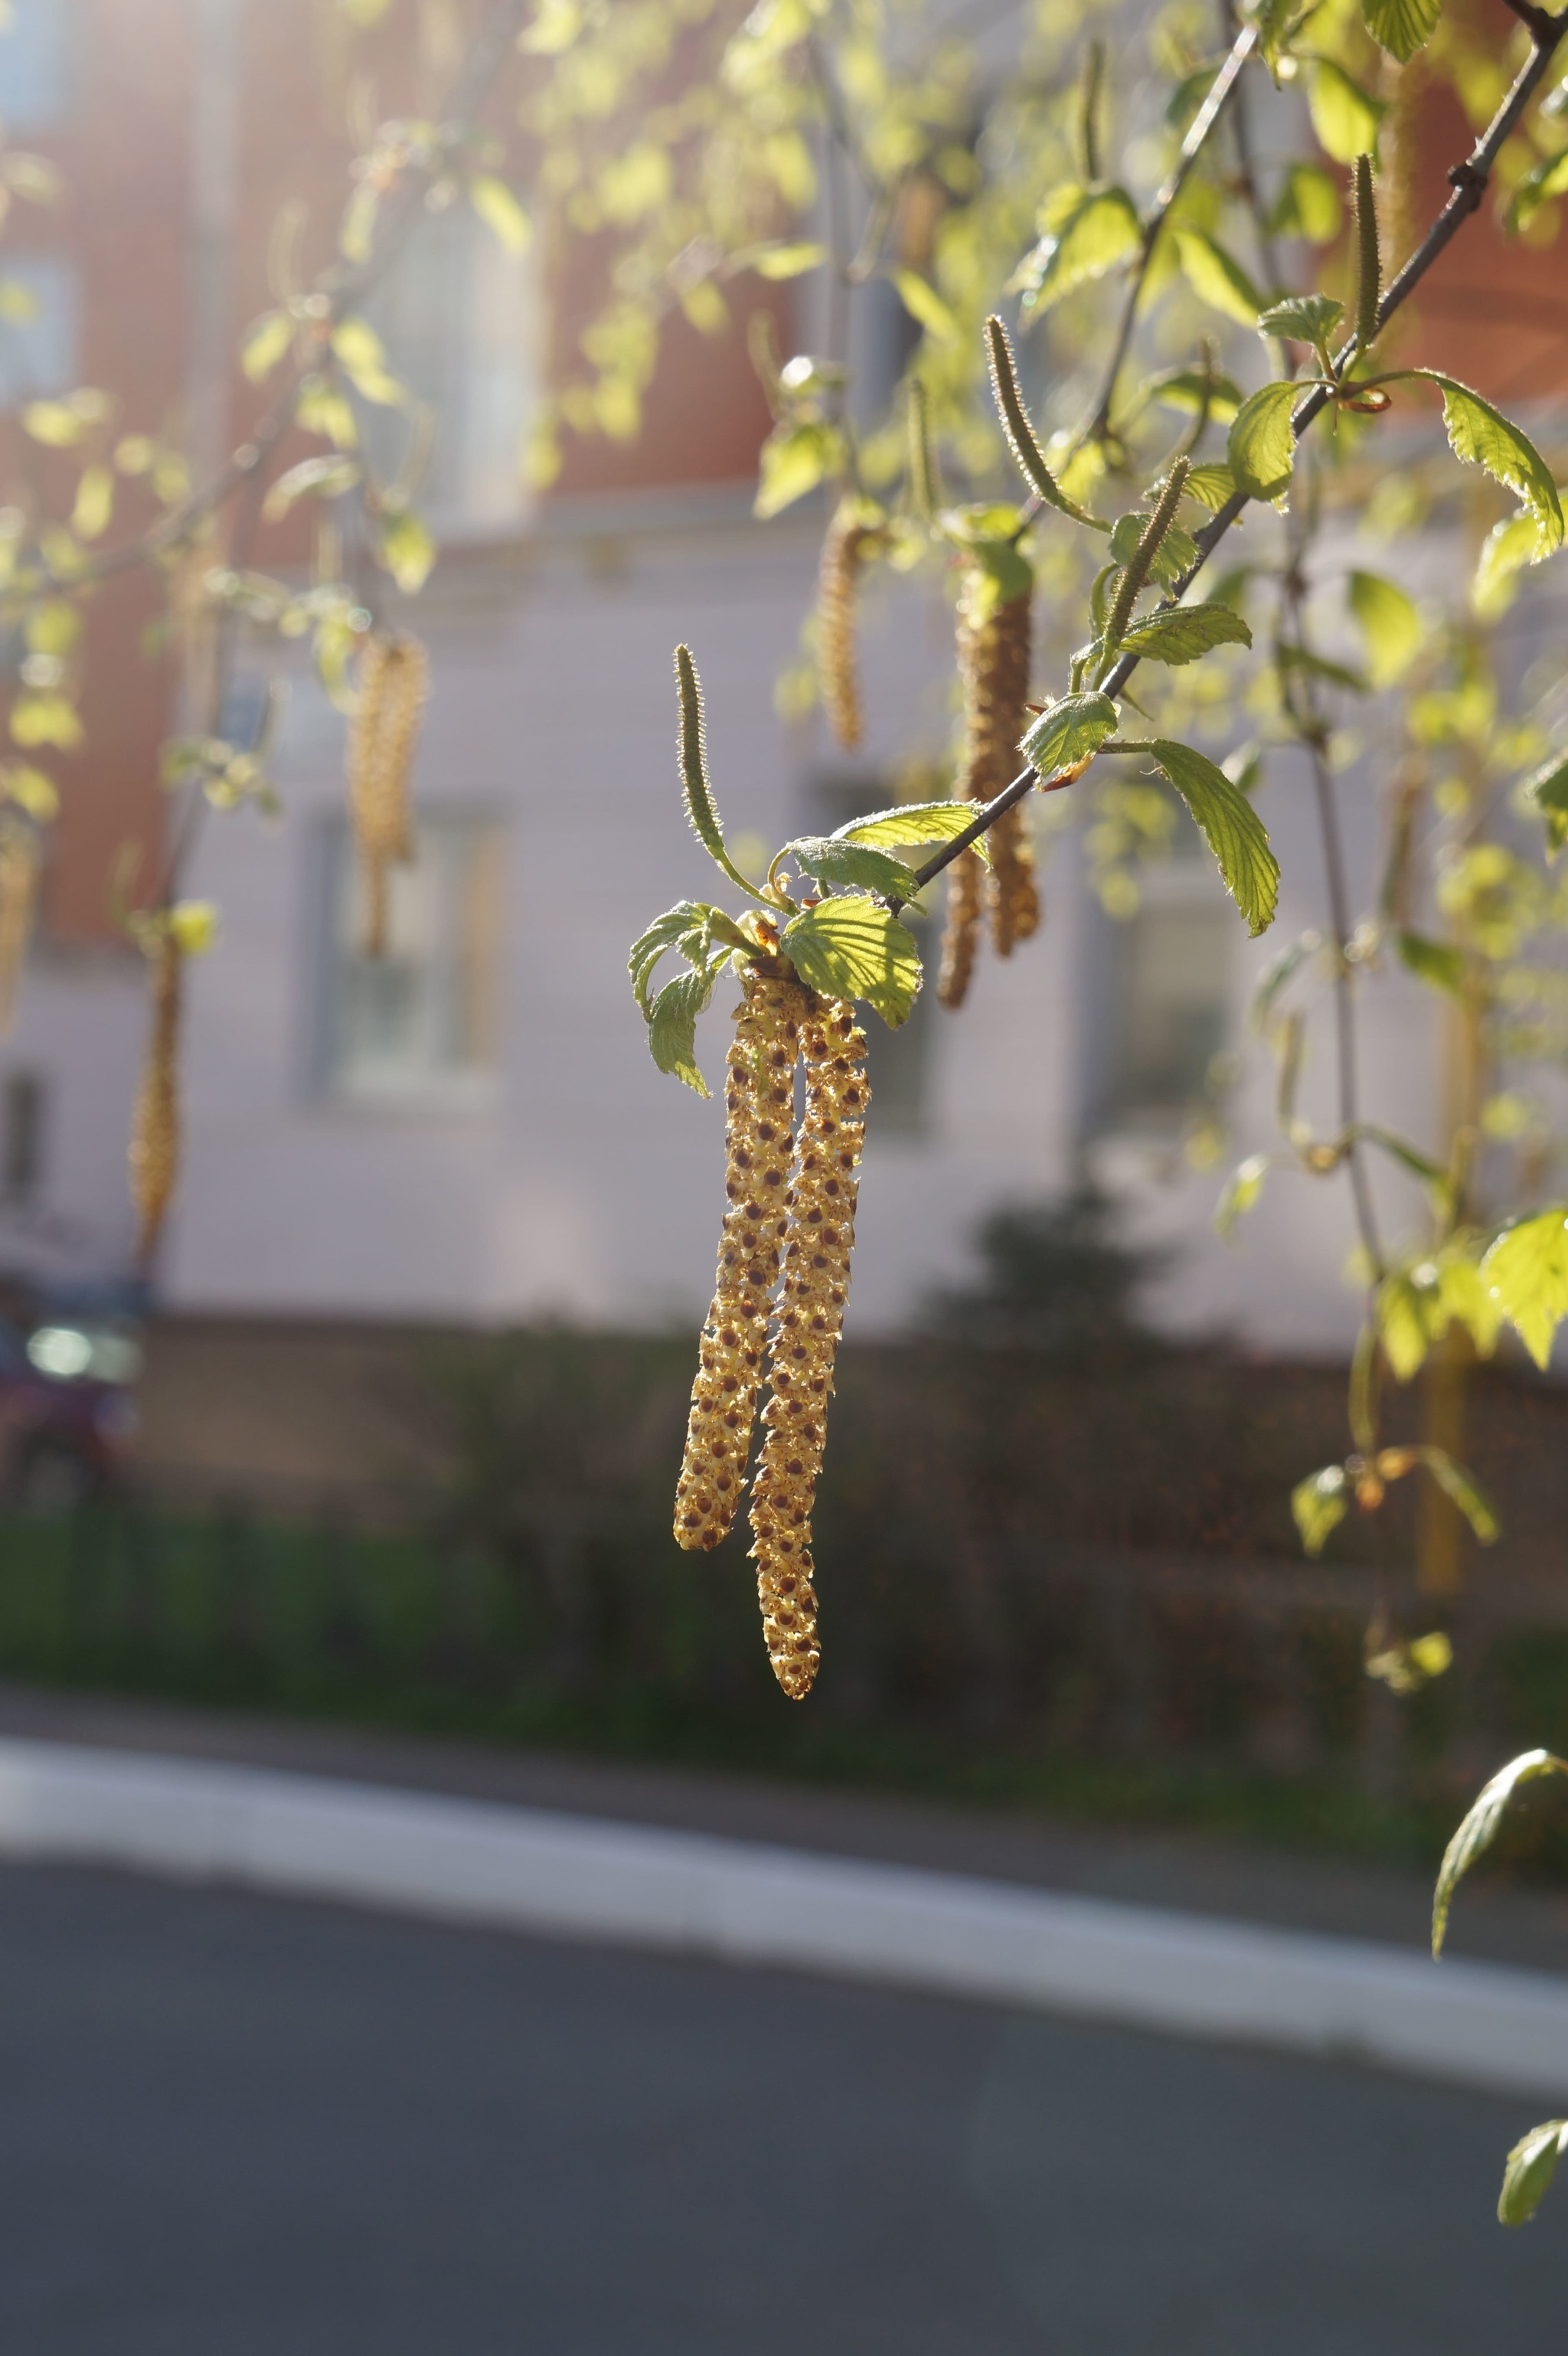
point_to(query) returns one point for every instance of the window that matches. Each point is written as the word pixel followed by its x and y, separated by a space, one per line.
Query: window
pixel 460 318
pixel 21 1137
pixel 897 1061
pixel 35 64
pixel 40 329
pixel 1171 990
pixel 419 1023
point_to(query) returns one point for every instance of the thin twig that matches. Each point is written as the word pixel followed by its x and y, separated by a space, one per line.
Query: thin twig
pixel 1469 181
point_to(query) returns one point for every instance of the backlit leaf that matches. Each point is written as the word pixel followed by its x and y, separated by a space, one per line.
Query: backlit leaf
pixel 1303 318
pixel 1482 436
pixel 1545 180
pixel 1465 1491
pixel 926 305
pixel 1216 278
pixel 1068 732
pixel 1390 625
pixel 795 458
pixel 1479 1829
pixel 1530 2167
pixel 911 822
pixel 1344 115
pixel 502 210
pixel 1432 961
pixel 266 341
pixel 1231 827
pixel 791 261
pixel 833 861
pixel 1211 484
pixel 1527 1271
pixel 1401 26
pixel 1508 548
pixel 1307 206
pixel 1261 446
pixel 1088 231
pixel 851 947
pixel 408 551
pixel 1242 1190
pixel 1181 633
pixel 1319 1504
pixel 672 1027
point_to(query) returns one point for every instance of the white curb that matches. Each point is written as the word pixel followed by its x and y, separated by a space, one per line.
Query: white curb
pixel 471 1861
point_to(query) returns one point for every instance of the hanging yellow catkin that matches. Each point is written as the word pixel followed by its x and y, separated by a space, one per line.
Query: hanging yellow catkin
pixel 21 863
pixel 759 1106
pixel 156 1135
pixel 961 934
pixel 844 554
pixel 393 675
pixel 804 1342
pixel 993 663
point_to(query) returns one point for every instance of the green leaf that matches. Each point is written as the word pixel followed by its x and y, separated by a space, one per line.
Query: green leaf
pixel 1432 961
pixel 1401 26
pixel 1216 278
pixel 1527 1272
pixel 1196 392
pixel 363 359
pixel 1545 180
pixel 832 861
pixel 1332 674
pixel 1389 626
pixel 1344 115
pixel 1068 732
pixel 1172 558
pixel 502 210
pixel 1479 1829
pixel 1210 485
pixel 1262 447
pixel 851 947
pixel 1529 2171
pixel 1548 789
pixel 672 1027
pixel 266 340
pixel 1231 827
pixel 791 261
pixel 910 822
pixel 1181 633
pixel 795 458
pixel 1319 1504
pixel 1303 318
pixel 1088 231
pixel 1482 436
pixel 926 305
pixel 1242 1190
pixel 1463 1488
pixel 1507 547
pixel 1308 205
pixel 688 921
pixel 408 551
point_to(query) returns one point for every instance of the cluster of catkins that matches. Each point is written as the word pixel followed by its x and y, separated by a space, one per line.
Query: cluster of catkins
pixel 994 667
pixel 393 675
pixel 791 1208
pixel 850 542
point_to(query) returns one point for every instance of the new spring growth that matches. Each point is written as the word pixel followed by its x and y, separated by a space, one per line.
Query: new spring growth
pixel 393 675
pixel 1141 561
pixel 1027 453
pixel 850 539
pixel 1369 264
pixel 1090 84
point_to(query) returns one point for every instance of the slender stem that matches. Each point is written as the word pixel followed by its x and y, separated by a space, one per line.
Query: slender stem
pixel 1223 87
pixel 1469 181
pixel 1345 1009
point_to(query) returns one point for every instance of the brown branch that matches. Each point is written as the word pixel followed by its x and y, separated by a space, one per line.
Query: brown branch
pixel 1469 181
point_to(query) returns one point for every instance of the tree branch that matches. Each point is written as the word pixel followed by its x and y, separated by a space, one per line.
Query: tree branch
pixel 1469 181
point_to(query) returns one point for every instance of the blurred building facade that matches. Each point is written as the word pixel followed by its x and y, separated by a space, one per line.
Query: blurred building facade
pixel 472 1129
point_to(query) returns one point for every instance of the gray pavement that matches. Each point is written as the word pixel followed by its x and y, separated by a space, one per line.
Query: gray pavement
pixel 230 2127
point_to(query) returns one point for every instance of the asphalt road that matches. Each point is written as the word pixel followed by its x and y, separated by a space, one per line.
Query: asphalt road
pixel 234 2128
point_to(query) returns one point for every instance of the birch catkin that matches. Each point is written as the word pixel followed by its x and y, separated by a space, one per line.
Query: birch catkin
pixel 844 554
pixel 994 665
pixel 155 1136
pixel 759 1101
pixel 393 673
pixel 20 864
pixel 821 1203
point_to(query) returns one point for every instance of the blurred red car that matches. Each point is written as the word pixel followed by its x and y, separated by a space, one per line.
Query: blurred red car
pixel 68 1412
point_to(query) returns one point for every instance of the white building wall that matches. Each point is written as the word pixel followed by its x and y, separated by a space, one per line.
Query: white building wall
pixel 586 1183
